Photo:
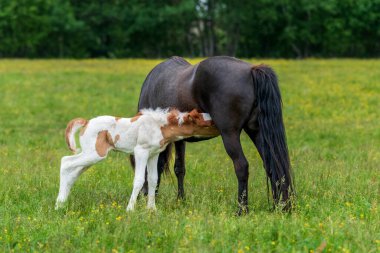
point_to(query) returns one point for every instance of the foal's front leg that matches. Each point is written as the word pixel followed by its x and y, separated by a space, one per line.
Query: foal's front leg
pixel 141 156
pixel 152 181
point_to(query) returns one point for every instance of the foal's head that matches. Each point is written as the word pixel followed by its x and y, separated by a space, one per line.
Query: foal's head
pixel 192 123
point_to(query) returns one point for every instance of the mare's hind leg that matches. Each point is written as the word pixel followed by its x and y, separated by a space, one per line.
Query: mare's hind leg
pixel 179 167
pixel 71 168
pixel 231 141
pixel 255 137
pixel 230 115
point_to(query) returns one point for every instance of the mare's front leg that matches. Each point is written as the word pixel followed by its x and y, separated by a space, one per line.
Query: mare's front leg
pixel 141 157
pixel 179 166
pixel 152 181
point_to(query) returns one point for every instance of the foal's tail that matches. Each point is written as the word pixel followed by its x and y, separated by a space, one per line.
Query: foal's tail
pixel 272 139
pixel 72 127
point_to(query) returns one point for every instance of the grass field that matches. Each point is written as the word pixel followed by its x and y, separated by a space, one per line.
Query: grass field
pixel 332 118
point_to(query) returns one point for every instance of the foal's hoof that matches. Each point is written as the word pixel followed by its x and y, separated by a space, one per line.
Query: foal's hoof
pixel 242 211
pixel 152 208
pixel 59 205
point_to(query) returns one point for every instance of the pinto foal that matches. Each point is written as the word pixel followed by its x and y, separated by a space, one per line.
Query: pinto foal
pixel 145 135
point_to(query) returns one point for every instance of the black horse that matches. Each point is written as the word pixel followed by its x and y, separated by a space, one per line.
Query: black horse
pixel 238 96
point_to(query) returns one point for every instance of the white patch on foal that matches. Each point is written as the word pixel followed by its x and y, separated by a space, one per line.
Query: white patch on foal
pixel 145 135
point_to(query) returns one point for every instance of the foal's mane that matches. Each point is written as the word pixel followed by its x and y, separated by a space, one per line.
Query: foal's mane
pixel 165 116
pixel 158 114
pixel 173 116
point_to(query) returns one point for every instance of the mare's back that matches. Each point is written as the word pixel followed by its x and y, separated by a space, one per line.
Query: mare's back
pixel 160 87
pixel 223 81
pixel 176 83
pixel 222 71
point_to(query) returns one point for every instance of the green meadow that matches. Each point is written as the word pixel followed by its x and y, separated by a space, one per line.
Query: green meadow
pixel 332 119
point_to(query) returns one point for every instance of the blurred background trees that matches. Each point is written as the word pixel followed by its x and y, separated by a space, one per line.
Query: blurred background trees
pixel 157 28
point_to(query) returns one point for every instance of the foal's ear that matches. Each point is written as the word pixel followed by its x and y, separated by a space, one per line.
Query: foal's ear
pixel 189 118
pixel 194 114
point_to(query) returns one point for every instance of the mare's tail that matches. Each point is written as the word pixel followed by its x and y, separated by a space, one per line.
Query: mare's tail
pixel 72 127
pixel 272 139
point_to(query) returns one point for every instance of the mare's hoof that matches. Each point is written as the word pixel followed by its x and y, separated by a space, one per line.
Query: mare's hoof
pixel 285 207
pixel 181 196
pixel 242 211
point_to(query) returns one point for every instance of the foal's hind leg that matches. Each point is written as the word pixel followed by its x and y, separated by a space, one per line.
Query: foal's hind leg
pixel 71 168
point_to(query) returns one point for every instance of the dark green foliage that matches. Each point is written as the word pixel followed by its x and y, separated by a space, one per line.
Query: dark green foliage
pixel 148 28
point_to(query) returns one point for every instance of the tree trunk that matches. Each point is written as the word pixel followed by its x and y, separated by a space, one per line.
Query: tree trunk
pixel 211 28
pixel 233 42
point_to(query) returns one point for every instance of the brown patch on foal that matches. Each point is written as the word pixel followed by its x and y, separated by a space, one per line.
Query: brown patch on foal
pixel 117 138
pixel 104 142
pixel 83 129
pixel 173 117
pixel 69 128
pixel 136 117
pixel 110 140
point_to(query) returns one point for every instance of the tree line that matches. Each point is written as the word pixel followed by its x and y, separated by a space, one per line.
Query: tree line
pixel 157 28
